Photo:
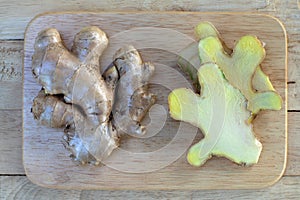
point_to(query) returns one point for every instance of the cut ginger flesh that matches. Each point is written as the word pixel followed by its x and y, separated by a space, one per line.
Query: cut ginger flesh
pixel 220 112
pixel 258 82
pixel 239 69
pixel 233 89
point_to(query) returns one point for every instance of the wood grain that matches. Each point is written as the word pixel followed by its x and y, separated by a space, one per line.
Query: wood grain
pixel 10 100
pixel 14 17
pixel 294 94
pixel 11 142
pixel 293 164
pixel 11 56
pixel 11 146
pixel 217 173
pixel 287 11
pixel 21 188
pixel 28 9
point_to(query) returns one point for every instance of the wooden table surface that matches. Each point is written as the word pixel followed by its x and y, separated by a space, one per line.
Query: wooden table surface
pixel 14 17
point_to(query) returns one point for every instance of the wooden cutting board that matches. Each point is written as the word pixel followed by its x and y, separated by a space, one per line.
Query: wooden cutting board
pixel 158 161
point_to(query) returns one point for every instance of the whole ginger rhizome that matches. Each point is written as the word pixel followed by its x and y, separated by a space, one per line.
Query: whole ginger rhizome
pixel 94 109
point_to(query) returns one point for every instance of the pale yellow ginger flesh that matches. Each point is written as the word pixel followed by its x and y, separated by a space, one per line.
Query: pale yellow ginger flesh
pixel 189 59
pixel 220 113
pixel 239 68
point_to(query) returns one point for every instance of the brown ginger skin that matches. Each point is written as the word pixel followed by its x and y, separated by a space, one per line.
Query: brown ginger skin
pixel 85 103
pixel 132 99
pixel 52 112
pixel 75 75
pixel 61 72
pixel 89 45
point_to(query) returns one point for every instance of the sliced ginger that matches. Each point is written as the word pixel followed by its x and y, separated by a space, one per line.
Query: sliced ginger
pixel 220 112
pixel 189 59
pixel 239 69
pixel 233 89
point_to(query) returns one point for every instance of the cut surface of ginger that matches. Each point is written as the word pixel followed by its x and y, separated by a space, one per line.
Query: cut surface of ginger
pixel 220 113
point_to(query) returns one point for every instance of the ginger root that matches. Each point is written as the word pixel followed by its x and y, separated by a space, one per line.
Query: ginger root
pixel 79 99
pixel 220 112
pixel 260 81
pixel 239 69
pixel 52 112
pixel 233 90
pixel 61 72
pixel 132 99
pixel 189 61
